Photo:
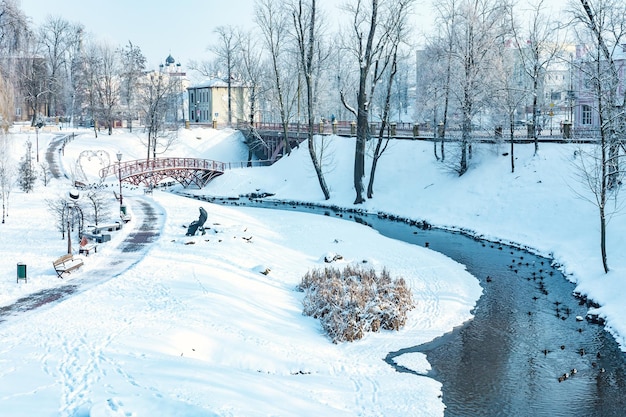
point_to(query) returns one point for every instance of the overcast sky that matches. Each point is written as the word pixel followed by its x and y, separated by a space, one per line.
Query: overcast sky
pixel 183 28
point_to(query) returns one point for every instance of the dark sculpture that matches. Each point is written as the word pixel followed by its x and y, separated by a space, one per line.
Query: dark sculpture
pixel 197 224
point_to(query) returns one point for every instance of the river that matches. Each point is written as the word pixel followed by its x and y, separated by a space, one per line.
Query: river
pixel 530 350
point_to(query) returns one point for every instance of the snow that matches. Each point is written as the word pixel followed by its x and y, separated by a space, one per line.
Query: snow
pixel 193 325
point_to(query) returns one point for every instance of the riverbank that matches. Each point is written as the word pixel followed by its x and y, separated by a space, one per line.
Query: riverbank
pixel 542 205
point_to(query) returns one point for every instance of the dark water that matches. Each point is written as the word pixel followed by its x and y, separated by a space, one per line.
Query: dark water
pixel 518 354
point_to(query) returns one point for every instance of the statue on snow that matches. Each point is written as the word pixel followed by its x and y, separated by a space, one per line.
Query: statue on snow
pixel 197 224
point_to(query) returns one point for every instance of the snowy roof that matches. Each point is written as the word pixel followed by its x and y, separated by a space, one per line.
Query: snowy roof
pixel 215 83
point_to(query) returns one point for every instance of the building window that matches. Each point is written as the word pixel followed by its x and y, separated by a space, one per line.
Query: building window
pixel 586 116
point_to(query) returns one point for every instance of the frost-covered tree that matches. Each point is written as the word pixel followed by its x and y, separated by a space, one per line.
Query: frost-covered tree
pixel 7 104
pixel 366 42
pixel 226 50
pixel 7 173
pixel 99 205
pixel 305 14
pixel 44 173
pixel 273 20
pixel 133 64
pixel 387 65
pixel 56 36
pixel 156 94
pixel 538 46
pixel 108 84
pixel 603 32
pixel 472 42
pixel 26 171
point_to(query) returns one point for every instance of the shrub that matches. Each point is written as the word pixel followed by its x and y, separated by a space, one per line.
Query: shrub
pixel 354 301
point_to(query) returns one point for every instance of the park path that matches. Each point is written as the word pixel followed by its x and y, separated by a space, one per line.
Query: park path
pixel 146 226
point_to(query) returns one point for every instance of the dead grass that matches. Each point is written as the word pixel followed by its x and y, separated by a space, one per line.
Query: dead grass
pixel 356 300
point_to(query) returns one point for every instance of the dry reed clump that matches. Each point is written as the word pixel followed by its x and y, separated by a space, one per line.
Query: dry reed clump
pixel 354 301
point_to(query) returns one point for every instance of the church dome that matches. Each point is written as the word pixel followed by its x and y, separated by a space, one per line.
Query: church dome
pixel 169 60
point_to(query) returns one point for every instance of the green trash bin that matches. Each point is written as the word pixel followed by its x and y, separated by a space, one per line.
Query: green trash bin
pixel 21 272
pixel 123 210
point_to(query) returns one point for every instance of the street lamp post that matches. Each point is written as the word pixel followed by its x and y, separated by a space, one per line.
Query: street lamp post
pixel 119 171
pixel 73 213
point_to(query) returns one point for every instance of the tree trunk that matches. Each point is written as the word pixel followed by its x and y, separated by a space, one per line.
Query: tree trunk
pixel 605 264
pixel 362 128
pixel 535 108
pixel 512 130
pixel 377 154
pixel 362 133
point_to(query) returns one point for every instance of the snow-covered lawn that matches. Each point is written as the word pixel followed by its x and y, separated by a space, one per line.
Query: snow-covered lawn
pixel 195 328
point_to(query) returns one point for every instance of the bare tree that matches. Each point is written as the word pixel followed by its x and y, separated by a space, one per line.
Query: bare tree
pixel 273 22
pixel 253 72
pixel 99 204
pixel 538 47
pixel 155 98
pixel 15 30
pixel 32 75
pixel 133 64
pixel 226 51
pixel 87 76
pixel 396 30
pixel 7 173
pixel 304 16
pixel 509 95
pixel 56 37
pixel 441 49
pixel 604 32
pixel 108 84
pixel 73 64
pixel 44 173
pixel 7 104
pixel 365 45
pixel 477 35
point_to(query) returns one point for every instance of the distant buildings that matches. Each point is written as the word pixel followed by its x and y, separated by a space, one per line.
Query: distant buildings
pixel 208 102
pixel 585 113
pixel 173 70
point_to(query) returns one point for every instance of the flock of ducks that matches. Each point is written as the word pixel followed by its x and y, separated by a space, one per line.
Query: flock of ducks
pixel 562 312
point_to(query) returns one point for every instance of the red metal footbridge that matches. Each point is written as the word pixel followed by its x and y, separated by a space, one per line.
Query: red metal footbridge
pixel 150 172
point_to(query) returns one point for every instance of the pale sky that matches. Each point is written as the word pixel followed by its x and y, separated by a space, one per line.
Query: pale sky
pixel 182 28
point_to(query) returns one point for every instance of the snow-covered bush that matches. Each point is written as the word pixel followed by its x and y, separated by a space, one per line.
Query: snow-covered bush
pixel 354 301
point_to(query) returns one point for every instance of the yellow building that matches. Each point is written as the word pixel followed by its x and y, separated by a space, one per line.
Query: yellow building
pixel 208 102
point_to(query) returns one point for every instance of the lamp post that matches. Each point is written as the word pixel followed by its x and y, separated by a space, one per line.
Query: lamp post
pixel 73 213
pixel 119 171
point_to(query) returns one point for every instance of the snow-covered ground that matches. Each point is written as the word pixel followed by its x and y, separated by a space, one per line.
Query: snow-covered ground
pixel 195 328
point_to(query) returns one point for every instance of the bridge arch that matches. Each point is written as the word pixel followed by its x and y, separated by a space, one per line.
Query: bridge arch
pixel 186 171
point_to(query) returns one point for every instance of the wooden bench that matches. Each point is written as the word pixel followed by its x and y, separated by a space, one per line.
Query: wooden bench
pixel 85 247
pixel 66 263
pixel 96 230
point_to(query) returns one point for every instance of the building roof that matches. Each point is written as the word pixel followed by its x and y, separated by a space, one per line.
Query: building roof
pixel 215 83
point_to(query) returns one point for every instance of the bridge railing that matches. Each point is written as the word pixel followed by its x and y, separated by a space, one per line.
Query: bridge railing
pixel 129 168
pixel 407 130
